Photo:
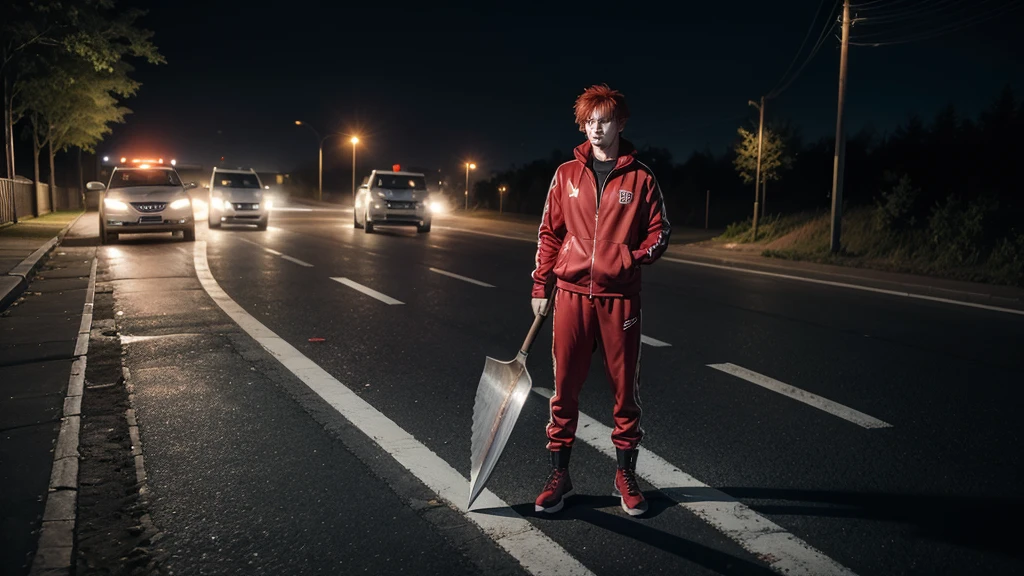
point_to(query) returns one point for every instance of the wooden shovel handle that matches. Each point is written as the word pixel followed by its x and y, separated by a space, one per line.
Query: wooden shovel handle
pixel 538 321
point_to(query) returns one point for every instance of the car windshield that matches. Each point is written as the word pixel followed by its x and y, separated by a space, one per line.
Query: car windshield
pixel 399 182
pixel 229 180
pixel 144 177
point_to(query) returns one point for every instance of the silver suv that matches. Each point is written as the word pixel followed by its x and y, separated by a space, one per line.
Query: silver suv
pixel 393 198
pixel 144 198
pixel 237 197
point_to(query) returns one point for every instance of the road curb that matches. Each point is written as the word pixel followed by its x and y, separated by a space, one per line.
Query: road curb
pixel 16 281
pixel 56 544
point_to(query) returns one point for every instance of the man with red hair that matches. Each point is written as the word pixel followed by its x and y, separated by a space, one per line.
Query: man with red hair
pixel 604 217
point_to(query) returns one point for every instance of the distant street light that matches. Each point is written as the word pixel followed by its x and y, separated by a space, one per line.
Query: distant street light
pixel 501 197
pixel 320 165
pixel 469 166
pixel 354 140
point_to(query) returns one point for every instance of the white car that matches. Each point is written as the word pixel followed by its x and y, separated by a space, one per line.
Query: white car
pixel 237 197
pixel 142 199
pixel 393 198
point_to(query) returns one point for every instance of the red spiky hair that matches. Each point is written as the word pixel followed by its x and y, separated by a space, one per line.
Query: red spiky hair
pixel 602 98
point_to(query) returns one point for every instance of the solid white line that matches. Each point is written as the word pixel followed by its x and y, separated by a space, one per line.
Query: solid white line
pixel 286 209
pixel 368 291
pixel 468 231
pixel 653 341
pixel 536 551
pixel 783 552
pixel 851 286
pixel 296 260
pixel 272 251
pixel 834 408
pixel 463 278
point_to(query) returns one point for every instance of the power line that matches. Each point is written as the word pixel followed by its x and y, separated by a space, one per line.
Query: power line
pixel 943 8
pixel 796 56
pixel 943 30
pixel 821 41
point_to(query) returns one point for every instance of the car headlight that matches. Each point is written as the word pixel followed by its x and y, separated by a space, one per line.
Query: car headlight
pixel 115 204
pixel 436 206
pixel 268 204
pixel 217 203
pixel 381 194
pixel 181 203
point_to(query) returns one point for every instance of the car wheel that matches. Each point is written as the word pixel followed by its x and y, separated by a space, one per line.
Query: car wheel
pixel 355 221
pixel 190 234
pixel 367 225
pixel 423 228
pixel 261 225
pixel 210 221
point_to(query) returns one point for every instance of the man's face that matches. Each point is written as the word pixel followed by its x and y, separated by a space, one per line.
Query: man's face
pixel 603 129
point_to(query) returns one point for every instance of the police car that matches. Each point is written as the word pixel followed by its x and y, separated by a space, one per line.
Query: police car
pixel 144 196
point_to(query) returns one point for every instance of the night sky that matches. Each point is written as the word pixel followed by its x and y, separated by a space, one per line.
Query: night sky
pixel 435 87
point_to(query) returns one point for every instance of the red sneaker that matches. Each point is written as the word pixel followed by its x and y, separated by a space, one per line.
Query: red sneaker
pixel 557 488
pixel 628 491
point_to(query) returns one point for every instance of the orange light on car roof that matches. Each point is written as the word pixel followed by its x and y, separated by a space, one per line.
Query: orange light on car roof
pixel 146 161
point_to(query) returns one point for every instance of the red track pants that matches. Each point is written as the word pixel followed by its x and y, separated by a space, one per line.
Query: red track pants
pixel 579 323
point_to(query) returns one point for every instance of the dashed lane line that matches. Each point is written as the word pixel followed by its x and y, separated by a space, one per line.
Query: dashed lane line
pixel 834 408
pixel 463 278
pixel 368 291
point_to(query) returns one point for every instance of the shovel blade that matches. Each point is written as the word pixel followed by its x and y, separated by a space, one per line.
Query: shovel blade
pixel 500 396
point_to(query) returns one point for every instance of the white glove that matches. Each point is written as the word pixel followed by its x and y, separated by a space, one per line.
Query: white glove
pixel 540 306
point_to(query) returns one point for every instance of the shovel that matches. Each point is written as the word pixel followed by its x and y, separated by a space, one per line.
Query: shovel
pixel 500 396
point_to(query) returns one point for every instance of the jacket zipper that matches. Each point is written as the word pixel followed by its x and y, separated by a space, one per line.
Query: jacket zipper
pixel 597 217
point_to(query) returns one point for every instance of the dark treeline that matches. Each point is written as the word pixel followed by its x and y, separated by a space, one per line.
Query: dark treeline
pixel 949 163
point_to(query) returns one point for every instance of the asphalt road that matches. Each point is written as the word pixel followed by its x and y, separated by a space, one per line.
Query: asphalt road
pixel 904 458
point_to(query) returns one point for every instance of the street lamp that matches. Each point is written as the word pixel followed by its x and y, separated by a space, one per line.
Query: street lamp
pixel 354 140
pixel 320 163
pixel 501 197
pixel 469 166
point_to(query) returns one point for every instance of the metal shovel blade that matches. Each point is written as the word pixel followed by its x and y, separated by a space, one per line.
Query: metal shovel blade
pixel 500 396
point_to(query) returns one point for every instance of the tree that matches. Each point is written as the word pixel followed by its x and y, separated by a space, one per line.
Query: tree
pixel 774 159
pixel 89 31
pixel 74 105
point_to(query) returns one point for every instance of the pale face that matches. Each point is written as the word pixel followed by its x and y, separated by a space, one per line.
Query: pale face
pixel 603 130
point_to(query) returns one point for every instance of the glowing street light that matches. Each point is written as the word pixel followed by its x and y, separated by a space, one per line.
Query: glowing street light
pixel 501 196
pixel 354 140
pixel 469 166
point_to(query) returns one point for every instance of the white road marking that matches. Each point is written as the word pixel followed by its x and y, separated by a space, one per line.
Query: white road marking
pixel 276 253
pixel 288 209
pixel 467 230
pixel 297 261
pixel 852 286
pixel 834 408
pixel 368 291
pixel 463 278
pixel 653 341
pixel 783 552
pixel 532 548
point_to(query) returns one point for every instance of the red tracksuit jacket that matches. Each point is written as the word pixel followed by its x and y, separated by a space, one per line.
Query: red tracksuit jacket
pixel 595 250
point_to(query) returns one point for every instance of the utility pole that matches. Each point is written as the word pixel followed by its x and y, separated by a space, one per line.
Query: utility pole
pixel 757 179
pixel 839 161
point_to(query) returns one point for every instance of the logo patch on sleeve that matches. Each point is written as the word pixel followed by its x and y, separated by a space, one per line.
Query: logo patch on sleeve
pixel 625 196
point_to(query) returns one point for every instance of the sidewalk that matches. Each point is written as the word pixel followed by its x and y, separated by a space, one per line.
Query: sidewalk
pixel 42 290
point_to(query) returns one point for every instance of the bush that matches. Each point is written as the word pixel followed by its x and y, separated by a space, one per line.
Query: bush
pixel 1007 259
pixel 894 209
pixel 957 233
